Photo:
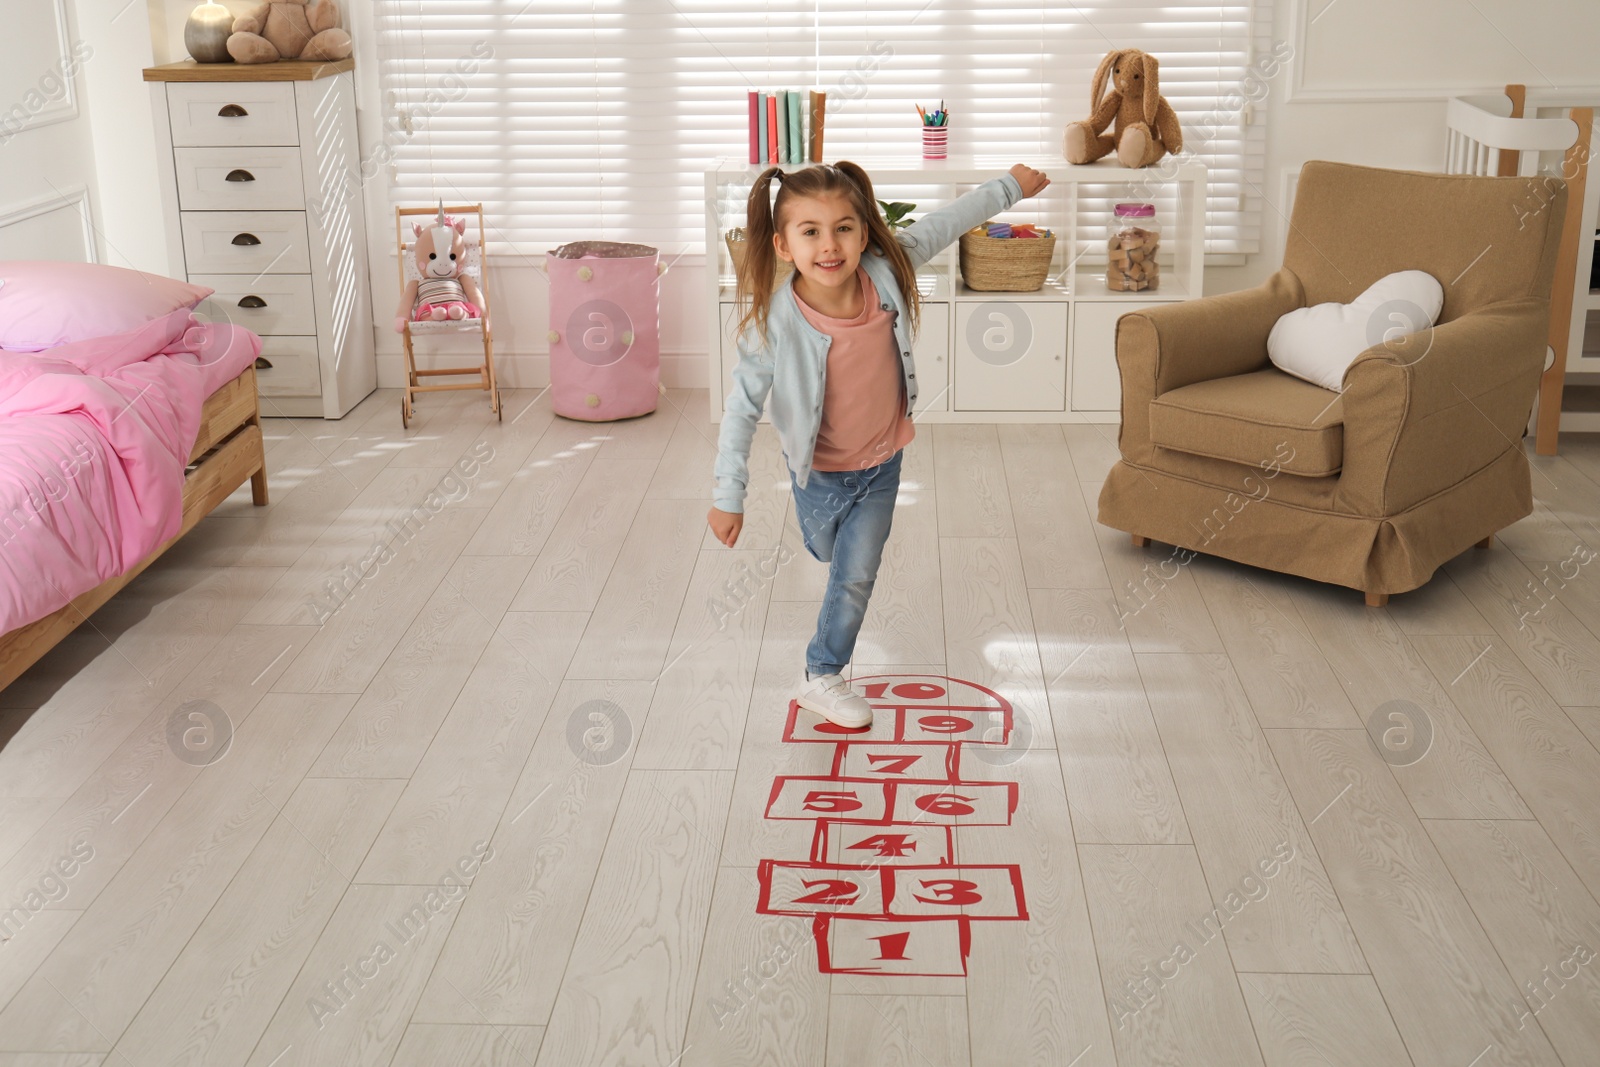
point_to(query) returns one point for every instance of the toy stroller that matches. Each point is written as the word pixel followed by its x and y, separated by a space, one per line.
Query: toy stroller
pixel 442 291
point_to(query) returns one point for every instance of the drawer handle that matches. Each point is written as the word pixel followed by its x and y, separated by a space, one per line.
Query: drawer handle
pixel 246 239
pixel 240 175
pixel 232 111
pixel 252 301
pixel 263 363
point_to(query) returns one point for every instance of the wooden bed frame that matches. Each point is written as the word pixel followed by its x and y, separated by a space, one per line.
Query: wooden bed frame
pixel 228 450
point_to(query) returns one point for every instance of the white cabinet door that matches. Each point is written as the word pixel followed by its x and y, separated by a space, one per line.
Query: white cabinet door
pixel 1096 385
pixel 730 357
pixel 932 350
pixel 1010 355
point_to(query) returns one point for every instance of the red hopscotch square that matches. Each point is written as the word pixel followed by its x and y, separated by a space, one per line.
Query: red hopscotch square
pixel 991 891
pixel 909 947
pixel 896 762
pixel 953 803
pixel 834 799
pixel 814 888
pixel 883 846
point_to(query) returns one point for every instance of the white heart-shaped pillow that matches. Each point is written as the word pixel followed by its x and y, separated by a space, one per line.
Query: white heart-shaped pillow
pixel 1319 343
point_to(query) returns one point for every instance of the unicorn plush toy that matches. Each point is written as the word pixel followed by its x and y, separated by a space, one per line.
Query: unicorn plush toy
pixel 445 290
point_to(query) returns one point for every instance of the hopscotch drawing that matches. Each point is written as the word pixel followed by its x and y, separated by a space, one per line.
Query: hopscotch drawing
pixel 883 882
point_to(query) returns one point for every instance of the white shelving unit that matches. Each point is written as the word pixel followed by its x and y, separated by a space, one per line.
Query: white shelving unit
pixel 1045 356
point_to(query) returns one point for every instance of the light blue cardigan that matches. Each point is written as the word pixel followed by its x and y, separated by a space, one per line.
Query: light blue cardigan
pixel 792 365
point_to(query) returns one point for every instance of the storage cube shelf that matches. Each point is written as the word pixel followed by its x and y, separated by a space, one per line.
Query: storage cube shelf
pixel 1045 356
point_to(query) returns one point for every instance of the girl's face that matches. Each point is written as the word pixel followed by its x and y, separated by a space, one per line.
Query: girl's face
pixel 823 237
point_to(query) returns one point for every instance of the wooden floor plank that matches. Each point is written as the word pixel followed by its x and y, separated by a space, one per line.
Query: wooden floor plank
pixel 1322 1018
pixel 1111 756
pixel 989 633
pixel 1542 921
pixel 465 780
pixel 1437 970
pixel 1278 662
pixel 1054 528
pixel 1553 765
pixel 352 999
pixel 220 993
pixel 1377 664
pixel 1273 902
pixel 433 1044
pixel 626 993
pixel 759 997
pixel 904 1031
pixel 1033 991
pixel 697 713
pixel 1171 993
pixel 970 481
pixel 89 989
pixel 503 961
pixel 631 625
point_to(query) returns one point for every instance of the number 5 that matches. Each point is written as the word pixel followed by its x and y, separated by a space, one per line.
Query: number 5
pixel 822 800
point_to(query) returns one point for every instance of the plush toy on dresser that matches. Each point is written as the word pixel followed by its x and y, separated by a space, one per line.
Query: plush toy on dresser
pixel 1146 127
pixel 289 29
pixel 446 290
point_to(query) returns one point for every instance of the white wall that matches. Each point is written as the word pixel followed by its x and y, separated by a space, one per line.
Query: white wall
pixel 48 207
pixel 1367 86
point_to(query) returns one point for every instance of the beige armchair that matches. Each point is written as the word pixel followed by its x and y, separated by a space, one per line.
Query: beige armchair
pixel 1418 456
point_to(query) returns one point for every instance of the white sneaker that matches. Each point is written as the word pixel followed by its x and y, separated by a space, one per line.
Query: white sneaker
pixel 831 697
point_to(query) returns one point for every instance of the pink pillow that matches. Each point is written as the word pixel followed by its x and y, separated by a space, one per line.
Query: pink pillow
pixel 44 303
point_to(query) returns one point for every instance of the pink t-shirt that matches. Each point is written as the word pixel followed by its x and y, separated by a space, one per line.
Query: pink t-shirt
pixel 864 419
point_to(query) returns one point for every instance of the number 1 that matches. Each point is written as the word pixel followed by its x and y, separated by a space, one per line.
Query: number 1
pixel 892 946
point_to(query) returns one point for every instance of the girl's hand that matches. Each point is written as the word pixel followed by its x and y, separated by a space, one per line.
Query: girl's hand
pixel 1032 181
pixel 726 525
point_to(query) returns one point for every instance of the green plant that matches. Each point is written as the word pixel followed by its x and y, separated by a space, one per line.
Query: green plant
pixel 895 214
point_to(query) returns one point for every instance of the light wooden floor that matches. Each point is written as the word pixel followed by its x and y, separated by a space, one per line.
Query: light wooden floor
pixel 283 905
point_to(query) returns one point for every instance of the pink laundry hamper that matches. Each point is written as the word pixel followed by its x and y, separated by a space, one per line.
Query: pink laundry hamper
pixel 605 330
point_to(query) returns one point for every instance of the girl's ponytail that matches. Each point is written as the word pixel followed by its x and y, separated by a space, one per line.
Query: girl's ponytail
pixel 758 272
pixel 880 235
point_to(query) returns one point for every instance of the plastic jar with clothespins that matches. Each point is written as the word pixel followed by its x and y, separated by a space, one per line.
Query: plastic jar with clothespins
pixel 1132 247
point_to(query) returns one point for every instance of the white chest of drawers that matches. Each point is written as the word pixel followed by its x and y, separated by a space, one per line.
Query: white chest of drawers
pixel 262 199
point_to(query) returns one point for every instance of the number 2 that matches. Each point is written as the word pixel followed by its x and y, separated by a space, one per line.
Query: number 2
pixel 833 891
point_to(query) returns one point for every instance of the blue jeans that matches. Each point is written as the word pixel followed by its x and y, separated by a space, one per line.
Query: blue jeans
pixel 844 519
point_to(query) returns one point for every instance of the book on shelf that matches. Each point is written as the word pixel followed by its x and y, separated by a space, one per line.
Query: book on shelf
pixel 772 128
pixel 818 111
pixel 786 126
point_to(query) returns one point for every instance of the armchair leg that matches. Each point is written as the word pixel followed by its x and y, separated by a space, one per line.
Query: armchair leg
pixel 1377 600
pixel 1487 542
pixel 1139 542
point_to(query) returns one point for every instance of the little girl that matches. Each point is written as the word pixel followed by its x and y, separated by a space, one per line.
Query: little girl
pixel 833 347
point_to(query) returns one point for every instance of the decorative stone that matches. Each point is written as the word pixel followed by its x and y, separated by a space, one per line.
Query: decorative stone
pixel 555 336
pixel 592 400
pixel 627 337
pixel 584 274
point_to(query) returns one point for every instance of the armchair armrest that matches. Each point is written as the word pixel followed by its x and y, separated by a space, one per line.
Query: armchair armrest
pixel 1424 412
pixel 1167 347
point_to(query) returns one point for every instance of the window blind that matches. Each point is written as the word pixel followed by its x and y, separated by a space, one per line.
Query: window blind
pixel 597 119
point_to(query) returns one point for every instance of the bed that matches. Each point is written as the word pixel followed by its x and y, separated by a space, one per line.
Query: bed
pixel 186 381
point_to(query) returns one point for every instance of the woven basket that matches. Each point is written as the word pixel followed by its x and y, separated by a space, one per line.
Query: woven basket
pixel 736 243
pixel 1005 264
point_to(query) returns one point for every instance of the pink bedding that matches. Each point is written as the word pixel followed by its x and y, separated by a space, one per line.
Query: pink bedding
pixel 94 438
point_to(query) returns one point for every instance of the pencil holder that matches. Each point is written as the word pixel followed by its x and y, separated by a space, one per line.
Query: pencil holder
pixel 935 140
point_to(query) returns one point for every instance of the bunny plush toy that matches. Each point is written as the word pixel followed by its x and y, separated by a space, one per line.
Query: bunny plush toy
pixel 446 290
pixel 1146 128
